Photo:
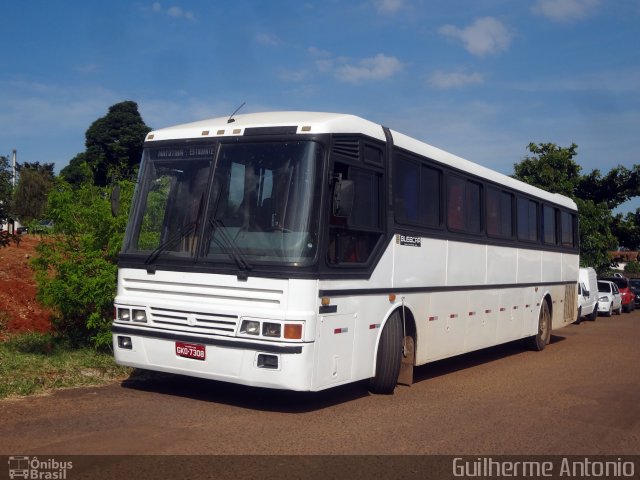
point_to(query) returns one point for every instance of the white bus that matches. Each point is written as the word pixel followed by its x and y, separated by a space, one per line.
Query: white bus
pixel 302 251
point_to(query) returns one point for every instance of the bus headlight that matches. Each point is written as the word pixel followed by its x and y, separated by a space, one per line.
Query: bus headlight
pixel 139 316
pixel 271 329
pixel 250 327
pixel 124 314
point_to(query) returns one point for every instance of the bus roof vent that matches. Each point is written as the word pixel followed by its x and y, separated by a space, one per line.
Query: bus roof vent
pixel 347 147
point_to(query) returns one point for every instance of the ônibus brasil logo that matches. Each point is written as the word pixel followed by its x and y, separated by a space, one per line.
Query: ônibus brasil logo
pixel 38 469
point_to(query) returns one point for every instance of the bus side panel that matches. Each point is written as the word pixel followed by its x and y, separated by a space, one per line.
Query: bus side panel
pixel 428 264
pixel 335 349
pixel 467 264
pixel 529 266
pixel 500 262
pixel 551 266
pixel 482 319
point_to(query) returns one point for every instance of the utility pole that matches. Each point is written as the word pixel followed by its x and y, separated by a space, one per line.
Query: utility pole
pixel 13 166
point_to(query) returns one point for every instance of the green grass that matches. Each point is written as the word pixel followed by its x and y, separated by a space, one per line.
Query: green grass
pixel 35 363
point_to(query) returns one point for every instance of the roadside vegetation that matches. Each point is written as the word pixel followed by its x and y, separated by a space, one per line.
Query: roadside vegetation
pixel 32 363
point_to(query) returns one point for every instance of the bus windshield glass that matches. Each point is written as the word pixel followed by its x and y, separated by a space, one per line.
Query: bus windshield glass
pixel 259 205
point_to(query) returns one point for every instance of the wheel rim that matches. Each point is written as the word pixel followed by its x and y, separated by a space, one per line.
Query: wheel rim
pixel 544 323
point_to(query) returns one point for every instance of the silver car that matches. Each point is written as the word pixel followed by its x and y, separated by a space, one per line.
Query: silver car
pixel 609 298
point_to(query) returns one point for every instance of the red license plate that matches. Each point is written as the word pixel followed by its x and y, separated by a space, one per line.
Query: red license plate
pixel 190 350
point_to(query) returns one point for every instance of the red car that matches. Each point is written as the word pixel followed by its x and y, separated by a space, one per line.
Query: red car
pixel 627 294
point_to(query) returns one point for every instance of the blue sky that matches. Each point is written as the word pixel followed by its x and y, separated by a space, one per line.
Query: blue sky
pixel 479 78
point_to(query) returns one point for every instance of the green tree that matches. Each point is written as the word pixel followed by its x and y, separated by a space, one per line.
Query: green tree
pixel 614 188
pixel 30 196
pixel 6 188
pixel 627 229
pixel 554 169
pixel 114 143
pixel 78 171
pixel 551 168
pixel 75 267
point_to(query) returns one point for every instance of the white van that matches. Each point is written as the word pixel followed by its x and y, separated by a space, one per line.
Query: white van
pixel 587 294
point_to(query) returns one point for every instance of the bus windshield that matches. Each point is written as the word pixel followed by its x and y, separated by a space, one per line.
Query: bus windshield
pixel 258 205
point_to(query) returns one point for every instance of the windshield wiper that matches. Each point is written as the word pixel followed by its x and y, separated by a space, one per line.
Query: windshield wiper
pixel 188 229
pixel 230 247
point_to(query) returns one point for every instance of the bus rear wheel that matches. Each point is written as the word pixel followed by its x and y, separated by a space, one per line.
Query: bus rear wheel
pixel 389 357
pixel 541 339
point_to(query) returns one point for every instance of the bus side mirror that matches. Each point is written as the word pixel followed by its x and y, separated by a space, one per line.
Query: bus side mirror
pixel 115 200
pixel 343 193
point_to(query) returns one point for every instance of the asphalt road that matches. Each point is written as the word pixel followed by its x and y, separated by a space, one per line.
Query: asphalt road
pixel 581 395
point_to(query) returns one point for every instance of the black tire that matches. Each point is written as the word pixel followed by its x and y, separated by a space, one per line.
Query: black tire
pixel 541 339
pixel 610 312
pixel 389 357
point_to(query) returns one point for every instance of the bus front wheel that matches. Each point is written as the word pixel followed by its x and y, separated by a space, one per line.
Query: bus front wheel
pixel 389 357
pixel 541 339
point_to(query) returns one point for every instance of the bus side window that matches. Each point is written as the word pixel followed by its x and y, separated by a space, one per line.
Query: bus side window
pixel 352 240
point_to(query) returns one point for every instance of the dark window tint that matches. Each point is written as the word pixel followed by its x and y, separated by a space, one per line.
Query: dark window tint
pixel 416 193
pixel 549 225
pixel 499 213
pixel 366 199
pixel 527 219
pixel 463 205
pixel 567 229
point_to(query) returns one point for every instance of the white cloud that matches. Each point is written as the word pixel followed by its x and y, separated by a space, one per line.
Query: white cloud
pixel 173 11
pixel 389 6
pixel 486 35
pixel 379 67
pixel 268 39
pixel 565 10
pixel 454 79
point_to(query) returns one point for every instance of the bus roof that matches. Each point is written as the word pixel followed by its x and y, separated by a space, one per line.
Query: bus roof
pixel 324 122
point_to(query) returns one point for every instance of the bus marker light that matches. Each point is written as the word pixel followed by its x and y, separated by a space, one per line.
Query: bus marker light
pixel 392 297
pixel 373 326
pixel 220 132
pixel 236 131
pixel 205 133
pixel 487 311
pixel 453 315
pixel 306 128
pixel 293 331
pixel 325 301
pixel 471 314
pixel 431 319
pixel 341 330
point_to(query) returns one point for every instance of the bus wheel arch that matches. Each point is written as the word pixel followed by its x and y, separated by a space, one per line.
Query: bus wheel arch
pixel 395 354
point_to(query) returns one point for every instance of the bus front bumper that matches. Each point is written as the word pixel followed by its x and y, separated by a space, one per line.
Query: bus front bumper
pixel 271 365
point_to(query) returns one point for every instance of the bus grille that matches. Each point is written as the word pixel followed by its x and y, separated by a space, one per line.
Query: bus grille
pixel 219 324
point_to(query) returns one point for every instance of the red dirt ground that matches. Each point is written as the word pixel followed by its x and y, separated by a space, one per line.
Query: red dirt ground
pixel 18 290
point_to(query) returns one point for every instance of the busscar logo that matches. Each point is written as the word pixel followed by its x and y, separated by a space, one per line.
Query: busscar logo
pixel 408 241
pixel 37 469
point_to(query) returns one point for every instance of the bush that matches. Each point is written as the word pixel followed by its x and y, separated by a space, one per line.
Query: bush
pixel 75 265
pixel 632 267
